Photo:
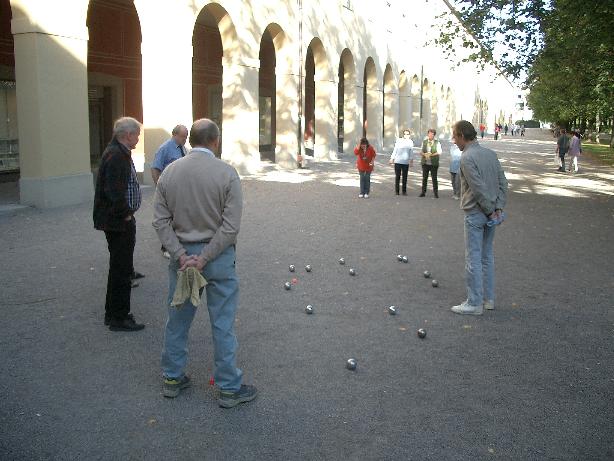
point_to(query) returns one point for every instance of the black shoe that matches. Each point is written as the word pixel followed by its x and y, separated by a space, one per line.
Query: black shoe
pixel 127 324
pixel 436 195
pixel 396 193
pixel 422 194
pixel 232 399
pixel 136 275
pixel 108 318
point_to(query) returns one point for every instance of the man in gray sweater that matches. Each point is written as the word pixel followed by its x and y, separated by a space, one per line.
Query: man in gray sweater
pixel 197 215
pixel 483 196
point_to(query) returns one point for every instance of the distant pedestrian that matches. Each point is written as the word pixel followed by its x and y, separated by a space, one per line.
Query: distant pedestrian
pixel 402 157
pixel 168 152
pixel 483 197
pixel 562 146
pixel 575 149
pixel 455 156
pixel 117 198
pixel 197 215
pixel 431 151
pixel 365 158
pixel 522 131
pixel 505 129
pixel 482 130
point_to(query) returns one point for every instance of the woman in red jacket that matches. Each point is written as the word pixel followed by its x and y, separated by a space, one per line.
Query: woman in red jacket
pixel 365 156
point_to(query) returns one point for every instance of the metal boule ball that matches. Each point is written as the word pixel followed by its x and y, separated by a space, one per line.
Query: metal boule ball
pixel 435 283
pixel 308 268
pixel 421 333
pixel 309 309
pixel 342 261
pixel 287 285
pixel 291 267
pixel 352 272
pixel 405 260
pixel 427 274
pixel 351 364
pixel 392 310
pixel 399 257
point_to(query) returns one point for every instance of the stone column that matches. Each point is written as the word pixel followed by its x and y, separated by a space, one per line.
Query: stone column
pixel 326 119
pixel 167 91
pixel 240 123
pixel 51 76
pixel 287 120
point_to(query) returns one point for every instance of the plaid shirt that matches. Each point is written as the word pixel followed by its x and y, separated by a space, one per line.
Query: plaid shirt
pixel 133 191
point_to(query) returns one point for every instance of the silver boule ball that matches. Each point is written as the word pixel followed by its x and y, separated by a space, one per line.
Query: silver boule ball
pixel 342 261
pixel 405 260
pixel 352 272
pixel 287 285
pixel 309 309
pixel 435 283
pixel 291 267
pixel 427 274
pixel 351 364
pixel 392 310
pixel 308 268
pixel 399 257
pixel 421 333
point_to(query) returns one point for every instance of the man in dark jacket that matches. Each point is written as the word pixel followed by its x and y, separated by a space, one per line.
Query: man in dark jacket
pixel 117 198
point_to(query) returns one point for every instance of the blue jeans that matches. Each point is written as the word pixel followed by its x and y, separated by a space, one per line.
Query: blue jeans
pixel 222 301
pixel 479 259
pixel 365 182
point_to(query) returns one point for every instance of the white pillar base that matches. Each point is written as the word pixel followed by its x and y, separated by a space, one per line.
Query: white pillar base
pixel 57 191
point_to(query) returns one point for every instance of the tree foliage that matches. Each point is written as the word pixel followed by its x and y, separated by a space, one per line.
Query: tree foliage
pixel 564 49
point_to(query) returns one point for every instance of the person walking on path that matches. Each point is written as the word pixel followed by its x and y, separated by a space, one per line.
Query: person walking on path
pixel 482 130
pixel 365 156
pixel 455 156
pixel 562 146
pixel 117 198
pixel 431 151
pixel 402 157
pixel 483 197
pixel 170 150
pixel 197 215
pixel 575 149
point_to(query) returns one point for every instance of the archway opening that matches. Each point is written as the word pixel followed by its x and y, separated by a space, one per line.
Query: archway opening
pixel 345 95
pixel 207 69
pixel 369 99
pixel 389 110
pixel 114 69
pixel 267 101
pixel 9 137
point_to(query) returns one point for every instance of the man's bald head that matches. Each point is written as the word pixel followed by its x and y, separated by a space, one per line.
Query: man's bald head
pixel 204 133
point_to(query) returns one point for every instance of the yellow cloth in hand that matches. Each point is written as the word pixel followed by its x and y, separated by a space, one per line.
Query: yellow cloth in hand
pixel 189 284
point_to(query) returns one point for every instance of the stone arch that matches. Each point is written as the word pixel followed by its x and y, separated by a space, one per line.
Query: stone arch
pixel 9 137
pixel 425 113
pixel 317 100
pixel 347 123
pixel 404 102
pixel 114 70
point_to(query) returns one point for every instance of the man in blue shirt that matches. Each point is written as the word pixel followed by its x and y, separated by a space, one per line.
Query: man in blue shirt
pixel 168 152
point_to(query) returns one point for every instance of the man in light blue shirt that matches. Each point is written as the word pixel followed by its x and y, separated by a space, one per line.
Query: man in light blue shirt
pixel 169 151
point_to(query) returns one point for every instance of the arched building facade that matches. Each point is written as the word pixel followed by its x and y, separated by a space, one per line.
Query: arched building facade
pixel 279 81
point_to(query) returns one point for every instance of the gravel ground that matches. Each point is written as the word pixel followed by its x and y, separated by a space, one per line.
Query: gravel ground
pixel 532 379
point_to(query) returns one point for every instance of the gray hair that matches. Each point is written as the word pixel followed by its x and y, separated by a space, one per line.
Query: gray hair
pixel 203 133
pixel 126 125
pixel 179 128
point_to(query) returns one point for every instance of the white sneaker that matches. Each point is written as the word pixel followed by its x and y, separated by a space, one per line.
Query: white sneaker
pixel 467 309
pixel 166 254
pixel 366 195
pixel 489 305
pixel 360 196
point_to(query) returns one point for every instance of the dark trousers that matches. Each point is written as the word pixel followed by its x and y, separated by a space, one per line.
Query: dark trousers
pixel 399 169
pixel 425 177
pixel 562 157
pixel 365 182
pixel 121 252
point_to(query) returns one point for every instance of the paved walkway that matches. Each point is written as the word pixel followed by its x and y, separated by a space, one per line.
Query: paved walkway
pixel 531 380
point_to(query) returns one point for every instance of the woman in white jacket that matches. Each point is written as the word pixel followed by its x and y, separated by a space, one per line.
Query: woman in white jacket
pixel 402 157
